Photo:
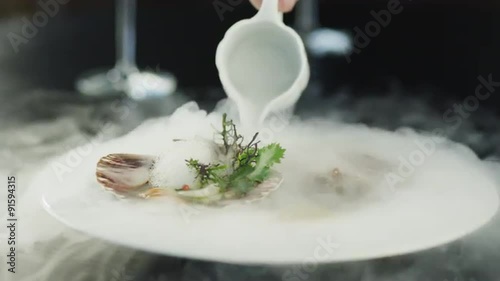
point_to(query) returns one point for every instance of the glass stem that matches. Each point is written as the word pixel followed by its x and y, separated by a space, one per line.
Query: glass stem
pixel 126 11
pixel 307 19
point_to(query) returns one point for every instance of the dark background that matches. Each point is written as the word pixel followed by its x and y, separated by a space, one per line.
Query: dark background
pixel 439 47
pixel 426 60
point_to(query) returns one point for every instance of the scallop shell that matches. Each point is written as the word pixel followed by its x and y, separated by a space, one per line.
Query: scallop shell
pixel 124 173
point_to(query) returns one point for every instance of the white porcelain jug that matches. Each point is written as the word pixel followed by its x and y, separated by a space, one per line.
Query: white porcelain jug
pixel 262 64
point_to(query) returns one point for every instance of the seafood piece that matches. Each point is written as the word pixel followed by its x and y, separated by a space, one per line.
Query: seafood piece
pixel 339 182
pixel 208 191
pixel 356 178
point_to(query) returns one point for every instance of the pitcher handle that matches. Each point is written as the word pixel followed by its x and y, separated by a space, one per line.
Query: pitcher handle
pixel 269 11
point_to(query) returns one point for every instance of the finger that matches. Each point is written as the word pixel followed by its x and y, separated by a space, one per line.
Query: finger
pixel 288 5
pixel 284 5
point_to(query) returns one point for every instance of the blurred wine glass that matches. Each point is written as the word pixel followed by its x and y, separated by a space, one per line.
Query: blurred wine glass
pixel 319 41
pixel 326 50
pixel 125 77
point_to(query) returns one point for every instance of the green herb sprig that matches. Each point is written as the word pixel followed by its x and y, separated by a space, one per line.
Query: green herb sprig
pixel 249 164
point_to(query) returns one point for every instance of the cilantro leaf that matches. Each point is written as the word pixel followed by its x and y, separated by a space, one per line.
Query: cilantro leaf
pixel 267 157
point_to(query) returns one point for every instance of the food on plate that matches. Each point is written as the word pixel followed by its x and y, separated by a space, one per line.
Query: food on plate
pixel 225 170
pixel 357 176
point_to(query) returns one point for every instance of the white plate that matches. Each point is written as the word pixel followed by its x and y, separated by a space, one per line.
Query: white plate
pixel 411 220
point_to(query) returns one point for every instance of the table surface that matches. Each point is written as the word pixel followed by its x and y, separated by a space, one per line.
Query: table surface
pixel 40 121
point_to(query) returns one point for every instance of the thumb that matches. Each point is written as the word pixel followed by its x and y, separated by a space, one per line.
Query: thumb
pixel 284 5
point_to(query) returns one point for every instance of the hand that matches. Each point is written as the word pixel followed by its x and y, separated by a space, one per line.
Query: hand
pixel 285 5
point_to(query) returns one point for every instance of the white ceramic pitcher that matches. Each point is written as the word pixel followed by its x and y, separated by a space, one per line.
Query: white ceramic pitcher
pixel 262 64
